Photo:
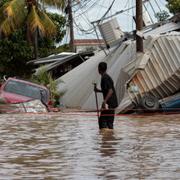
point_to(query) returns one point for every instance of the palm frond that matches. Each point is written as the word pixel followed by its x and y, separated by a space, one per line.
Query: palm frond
pixel 6 28
pixel 50 27
pixel 34 22
pixel 12 16
pixel 15 10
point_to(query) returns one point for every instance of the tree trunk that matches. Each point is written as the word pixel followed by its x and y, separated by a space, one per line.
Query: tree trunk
pixel 70 18
pixel 36 44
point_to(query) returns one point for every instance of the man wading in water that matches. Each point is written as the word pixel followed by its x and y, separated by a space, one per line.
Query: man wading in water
pixel 110 102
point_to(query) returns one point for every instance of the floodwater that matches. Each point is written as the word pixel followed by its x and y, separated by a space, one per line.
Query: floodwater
pixel 69 146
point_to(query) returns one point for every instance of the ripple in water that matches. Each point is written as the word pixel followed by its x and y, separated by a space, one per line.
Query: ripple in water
pixel 70 146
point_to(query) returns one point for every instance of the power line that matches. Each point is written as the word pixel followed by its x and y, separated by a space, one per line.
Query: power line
pixel 93 5
pixel 87 31
pixel 81 13
pixel 108 10
pixel 86 19
pixel 118 12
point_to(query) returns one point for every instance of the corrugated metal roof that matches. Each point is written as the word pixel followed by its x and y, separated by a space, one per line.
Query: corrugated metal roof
pixel 77 83
pixel 168 27
pixel 58 62
pixel 158 71
pixel 52 58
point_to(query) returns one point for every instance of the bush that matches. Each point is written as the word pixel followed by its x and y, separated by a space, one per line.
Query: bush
pixel 44 78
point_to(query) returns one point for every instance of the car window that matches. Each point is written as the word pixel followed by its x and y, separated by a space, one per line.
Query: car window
pixel 27 90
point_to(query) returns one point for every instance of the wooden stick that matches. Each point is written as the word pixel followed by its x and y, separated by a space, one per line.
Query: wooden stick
pixel 97 108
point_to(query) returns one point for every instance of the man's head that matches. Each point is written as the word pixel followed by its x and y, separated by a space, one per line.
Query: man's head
pixel 102 67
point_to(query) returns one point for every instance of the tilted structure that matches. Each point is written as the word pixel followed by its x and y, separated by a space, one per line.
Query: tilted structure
pixel 155 72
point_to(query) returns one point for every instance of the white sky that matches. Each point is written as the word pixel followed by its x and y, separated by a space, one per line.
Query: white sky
pixel 94 10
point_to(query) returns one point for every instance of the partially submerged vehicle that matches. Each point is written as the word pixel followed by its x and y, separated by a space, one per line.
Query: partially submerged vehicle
pixel 23 96
pixel 171 103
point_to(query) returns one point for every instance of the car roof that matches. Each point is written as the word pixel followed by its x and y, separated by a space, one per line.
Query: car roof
pixel 27 82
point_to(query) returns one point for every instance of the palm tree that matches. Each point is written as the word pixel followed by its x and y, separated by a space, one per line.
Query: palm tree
pixel 29 13
pixel 65 5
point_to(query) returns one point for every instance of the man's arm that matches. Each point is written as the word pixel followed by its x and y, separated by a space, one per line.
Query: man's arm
pixel 96 89
pixel 109 94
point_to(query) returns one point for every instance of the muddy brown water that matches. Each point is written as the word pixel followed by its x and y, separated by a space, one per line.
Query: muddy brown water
pixel 67 146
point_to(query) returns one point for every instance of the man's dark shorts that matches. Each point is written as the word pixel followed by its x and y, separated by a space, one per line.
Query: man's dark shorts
pixel 106 119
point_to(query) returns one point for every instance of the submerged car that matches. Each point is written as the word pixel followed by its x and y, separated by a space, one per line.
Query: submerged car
pixel 171 103
pixel 14 91
pixel 150 103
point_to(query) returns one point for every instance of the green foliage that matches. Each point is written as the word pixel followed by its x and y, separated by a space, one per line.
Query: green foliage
pixel 14 53
pixel 173 6
pixel 45 78
pixel 63 48
pixel 3 2
pixel 31 14
pixel 60 22
pixel 12 14
pixel 55 3
pixel 42 76
pixel 53 87
pixel 161 16
pixel 47 45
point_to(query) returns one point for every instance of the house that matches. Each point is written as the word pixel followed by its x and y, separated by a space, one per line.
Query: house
pixel 82 45
pixel 60 64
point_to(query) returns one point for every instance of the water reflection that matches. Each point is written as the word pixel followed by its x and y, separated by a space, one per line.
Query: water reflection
pixel 107 148
pixel 66 146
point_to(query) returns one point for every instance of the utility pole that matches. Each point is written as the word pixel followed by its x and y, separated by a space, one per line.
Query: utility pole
pixel 139 25
pixel 70 18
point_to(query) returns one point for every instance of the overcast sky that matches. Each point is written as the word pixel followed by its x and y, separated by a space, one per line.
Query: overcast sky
pixel 94 10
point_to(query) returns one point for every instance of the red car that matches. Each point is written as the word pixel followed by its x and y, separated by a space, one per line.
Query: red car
pixel 19 91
